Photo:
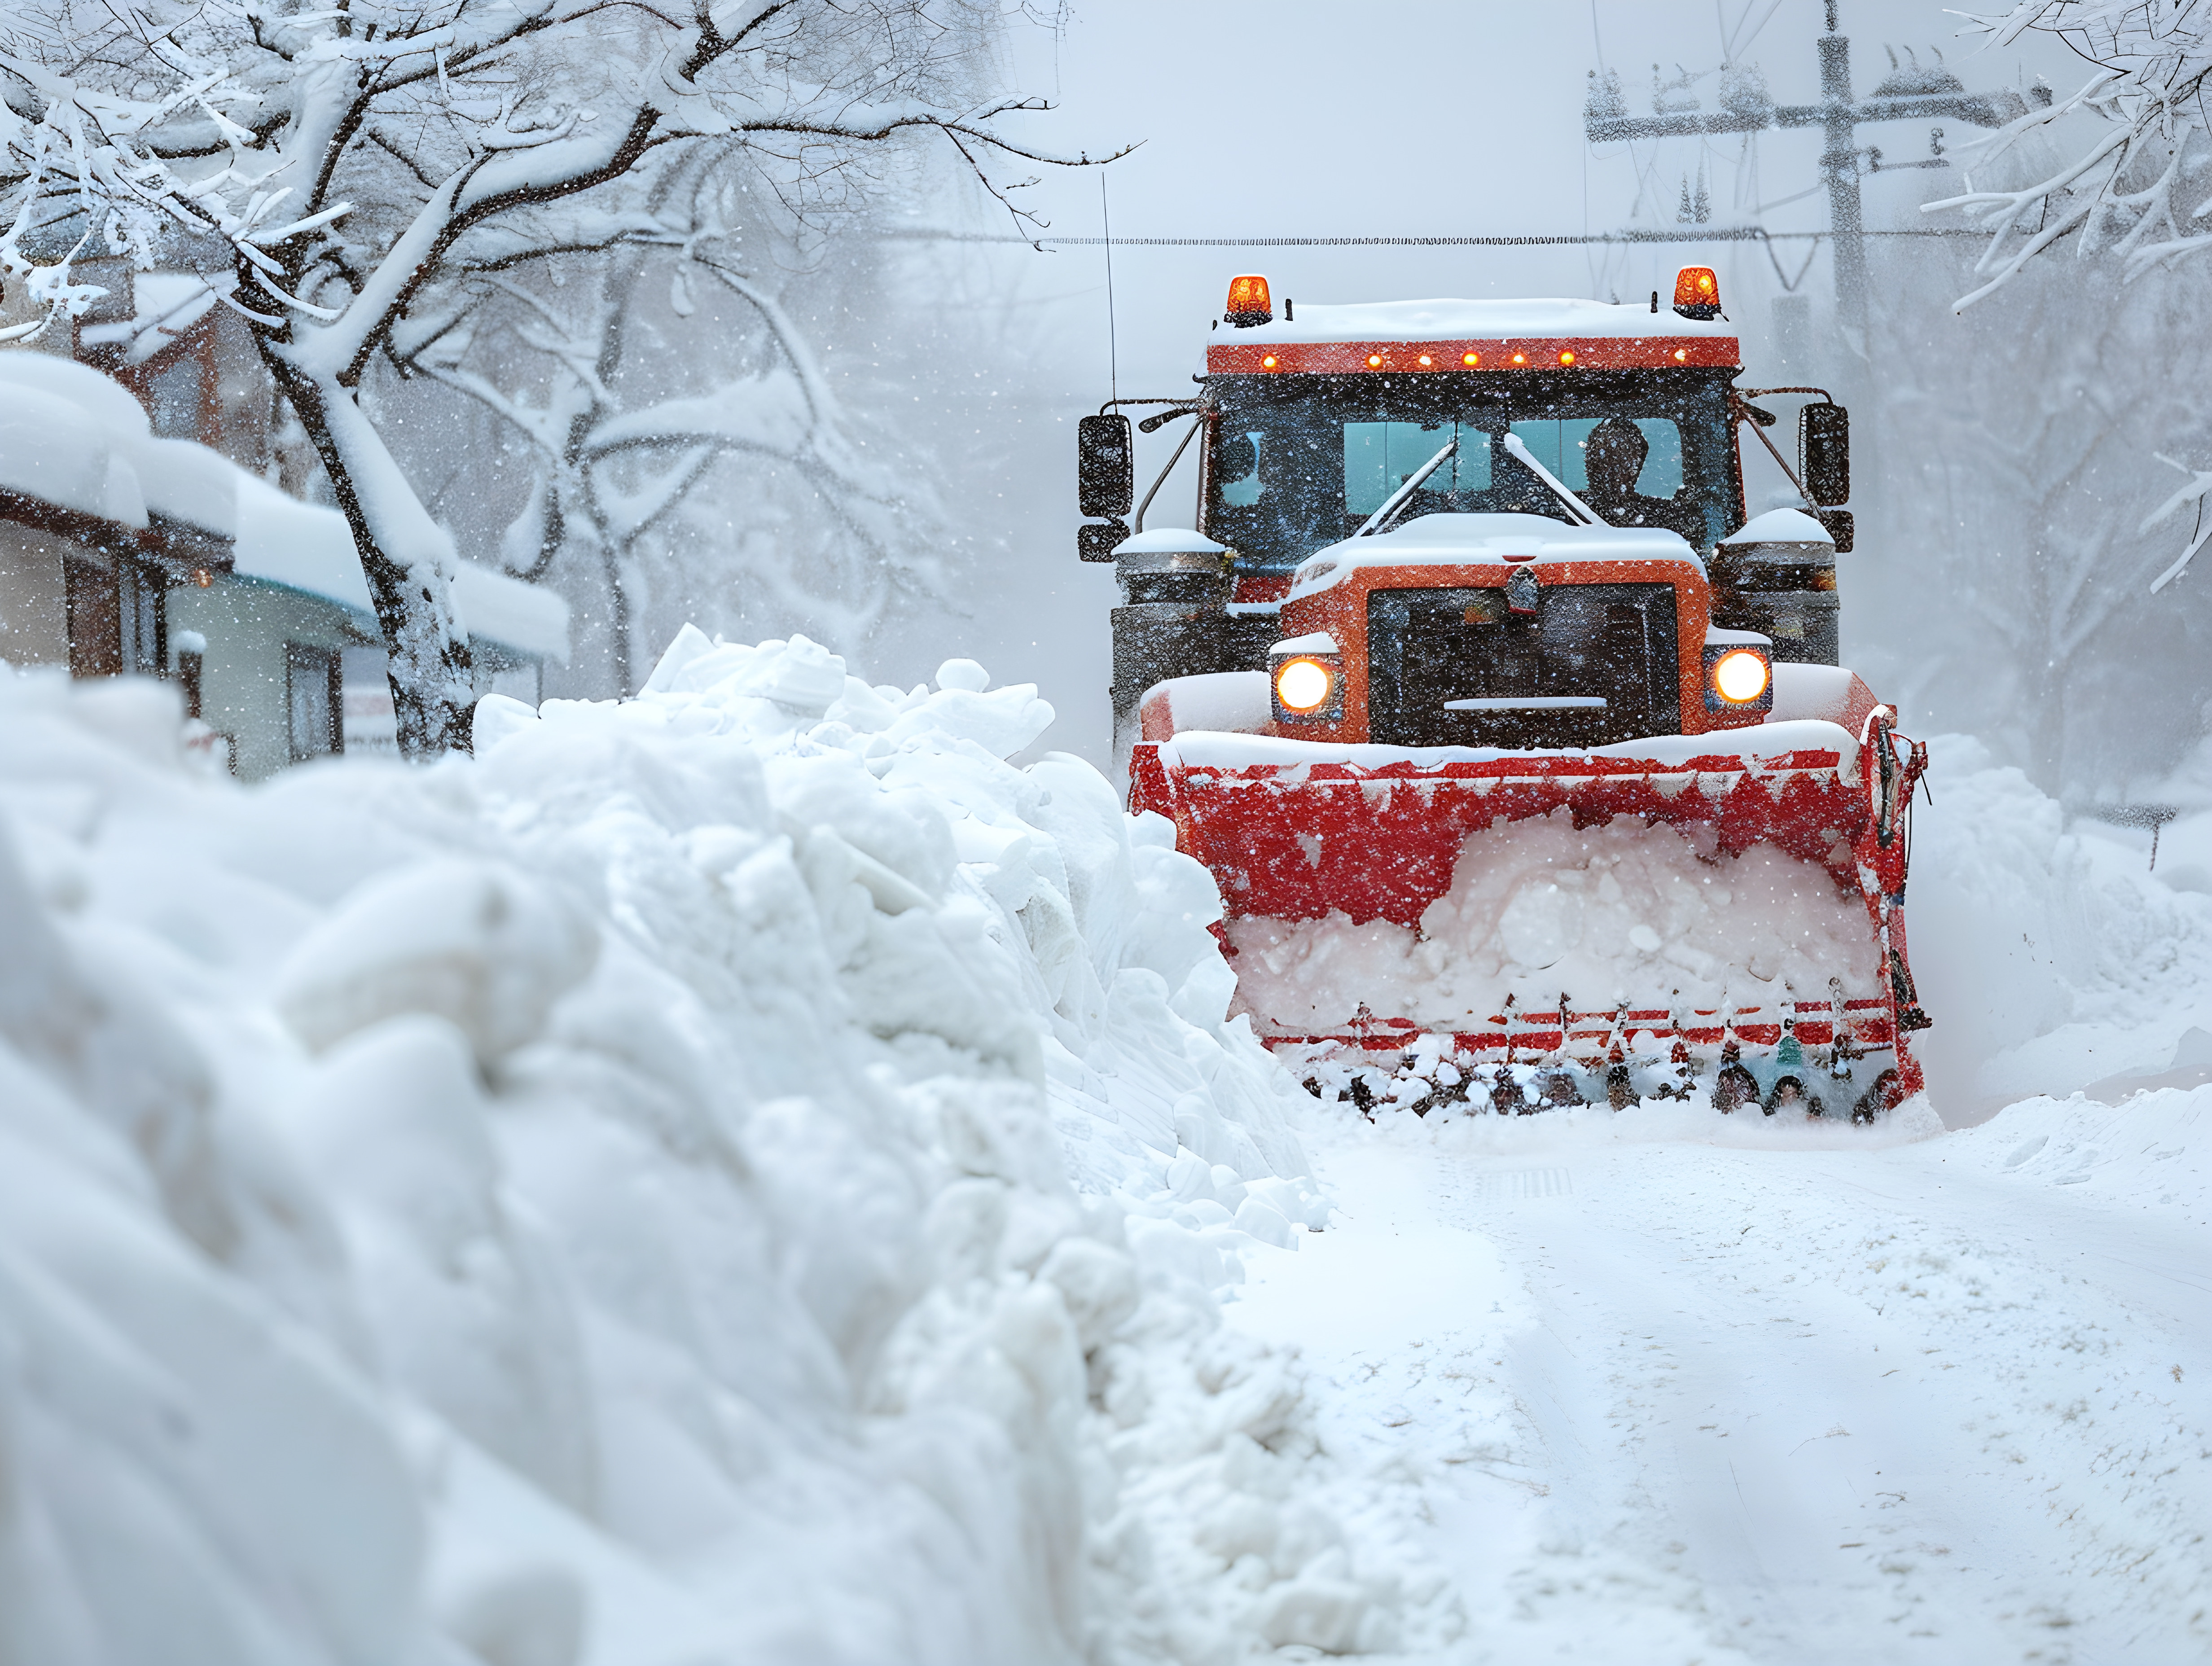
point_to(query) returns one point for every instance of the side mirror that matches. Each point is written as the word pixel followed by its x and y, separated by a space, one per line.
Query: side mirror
pixel 1105 467
pixel 1824 453
pixel 1094 540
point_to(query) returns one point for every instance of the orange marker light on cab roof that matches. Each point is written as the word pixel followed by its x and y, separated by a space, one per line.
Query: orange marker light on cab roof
pixel 1268 363
pixel 1520 358
pixel 1427 361
pixel 1567 355
pixel 1697 292
pixel 1250 302
pixel 1681 355
pixel 1373 361
pixel 1470 359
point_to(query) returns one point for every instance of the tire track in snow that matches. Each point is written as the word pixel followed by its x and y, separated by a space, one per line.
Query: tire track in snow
pixel 1809 1404
pixel 1735 1408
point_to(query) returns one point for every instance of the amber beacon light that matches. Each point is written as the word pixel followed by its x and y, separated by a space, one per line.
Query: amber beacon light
pixel 1249 303
pixel 1697 292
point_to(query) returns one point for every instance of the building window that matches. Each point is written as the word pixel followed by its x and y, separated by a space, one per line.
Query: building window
pixel 311 702
pixel 143 630
pixel 118 618
pixel 367 724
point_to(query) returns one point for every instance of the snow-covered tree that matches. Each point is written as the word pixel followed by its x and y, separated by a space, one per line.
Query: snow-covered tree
pixel 624 420
pixel 2141 189
pixel 2020 518
pixel 352 162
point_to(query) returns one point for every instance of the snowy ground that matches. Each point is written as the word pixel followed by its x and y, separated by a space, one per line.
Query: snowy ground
pixel 750 1175
pixel 1651 1389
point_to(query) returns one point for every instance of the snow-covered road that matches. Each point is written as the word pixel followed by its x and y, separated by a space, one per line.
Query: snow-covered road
pixel 1797 1396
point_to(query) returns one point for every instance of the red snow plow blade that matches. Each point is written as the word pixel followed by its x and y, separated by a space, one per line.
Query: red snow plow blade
pixel 1298 832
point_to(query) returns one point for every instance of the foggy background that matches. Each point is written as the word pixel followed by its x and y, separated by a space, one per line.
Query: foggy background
pixel 2003 457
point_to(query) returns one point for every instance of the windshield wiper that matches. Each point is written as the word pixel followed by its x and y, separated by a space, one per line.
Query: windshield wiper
pixel 1381 520
pixel 1519 448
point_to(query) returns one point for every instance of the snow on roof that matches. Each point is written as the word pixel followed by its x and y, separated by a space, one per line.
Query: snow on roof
pixel 76 439
pixel 185 481
pixel 164 306
pixel 52 451
pixel 301 546
pixel 501 608
pixel 101 398
pixel 1470 320
pixel 306 547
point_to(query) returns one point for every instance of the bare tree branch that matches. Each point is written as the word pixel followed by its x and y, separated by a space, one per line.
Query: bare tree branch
pixel 2125 192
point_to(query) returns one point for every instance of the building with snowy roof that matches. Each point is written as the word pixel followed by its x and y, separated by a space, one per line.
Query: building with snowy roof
pixel 126 551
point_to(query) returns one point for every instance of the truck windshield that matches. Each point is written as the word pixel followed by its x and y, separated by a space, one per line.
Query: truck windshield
pixel 1301 464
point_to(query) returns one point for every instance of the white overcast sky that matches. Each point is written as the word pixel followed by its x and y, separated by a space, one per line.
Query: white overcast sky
pixel 1431 117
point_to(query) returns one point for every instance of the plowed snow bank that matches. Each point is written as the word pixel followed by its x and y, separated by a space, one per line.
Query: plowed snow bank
pixel 744 1173
pixel 2049 960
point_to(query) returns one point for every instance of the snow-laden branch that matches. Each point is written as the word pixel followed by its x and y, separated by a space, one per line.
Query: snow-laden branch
pixel 2140 190
pixel 768 414
pixel 2197 490
pixel 618 454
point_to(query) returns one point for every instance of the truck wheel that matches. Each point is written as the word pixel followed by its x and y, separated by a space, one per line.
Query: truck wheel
pixel 1790 1095
pixel 1882 1096
pixel 1733 1088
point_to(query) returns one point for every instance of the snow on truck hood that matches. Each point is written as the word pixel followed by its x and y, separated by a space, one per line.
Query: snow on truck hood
pixel 1474 320
pixel 1768 748
pixel 1460 540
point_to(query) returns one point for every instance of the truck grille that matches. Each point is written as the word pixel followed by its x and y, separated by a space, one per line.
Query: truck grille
pixel 1457 668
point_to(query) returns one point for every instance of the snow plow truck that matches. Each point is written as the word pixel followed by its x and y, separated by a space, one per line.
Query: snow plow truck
pixel 1515 744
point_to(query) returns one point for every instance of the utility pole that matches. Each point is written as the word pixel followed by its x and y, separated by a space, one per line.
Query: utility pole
pixel 1840 162
pixel 1918 93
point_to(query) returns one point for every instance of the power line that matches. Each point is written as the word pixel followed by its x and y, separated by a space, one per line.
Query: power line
pixel 1698 234
pixel 1909 96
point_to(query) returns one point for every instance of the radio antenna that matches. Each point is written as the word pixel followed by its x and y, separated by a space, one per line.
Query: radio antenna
pixel 1113 349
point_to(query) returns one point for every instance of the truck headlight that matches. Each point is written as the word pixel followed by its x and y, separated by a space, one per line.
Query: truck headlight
pixel 1740 677
pixel 1303 685
pixel 1309 688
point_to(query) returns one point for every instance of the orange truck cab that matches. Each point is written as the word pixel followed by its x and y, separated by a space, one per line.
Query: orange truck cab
pixel 1459 565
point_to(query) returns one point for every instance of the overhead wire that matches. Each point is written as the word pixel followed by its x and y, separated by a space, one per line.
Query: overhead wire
pixel 1694 234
